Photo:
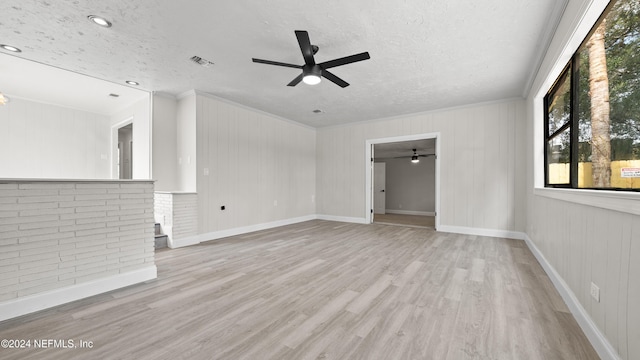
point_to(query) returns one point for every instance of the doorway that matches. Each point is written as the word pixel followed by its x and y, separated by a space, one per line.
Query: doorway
pixel 379 182
pixel 122 150
pixel 124 155
pixel 409 193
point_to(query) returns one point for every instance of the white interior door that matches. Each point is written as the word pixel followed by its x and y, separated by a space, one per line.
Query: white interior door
pixel 379 195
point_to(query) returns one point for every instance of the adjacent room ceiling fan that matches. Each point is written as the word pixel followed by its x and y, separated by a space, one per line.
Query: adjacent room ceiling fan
pixel 415 158
pixel 312 72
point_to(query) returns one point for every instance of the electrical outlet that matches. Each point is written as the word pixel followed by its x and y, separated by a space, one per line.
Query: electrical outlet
pixel 595 292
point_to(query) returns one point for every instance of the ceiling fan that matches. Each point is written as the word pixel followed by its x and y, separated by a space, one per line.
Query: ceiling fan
pixel 312 72
pixel 415 158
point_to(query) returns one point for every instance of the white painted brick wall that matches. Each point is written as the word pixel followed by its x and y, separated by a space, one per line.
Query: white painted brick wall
pixel 61 233
pixel 177 213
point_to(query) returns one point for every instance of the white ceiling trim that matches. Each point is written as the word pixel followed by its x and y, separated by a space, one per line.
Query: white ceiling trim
pixel 545 42
pixel 428 112
pixel 245 107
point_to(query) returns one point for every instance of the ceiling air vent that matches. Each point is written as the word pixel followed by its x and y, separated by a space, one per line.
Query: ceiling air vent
pixel 200 61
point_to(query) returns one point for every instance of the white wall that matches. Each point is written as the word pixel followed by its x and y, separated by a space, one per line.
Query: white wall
pixel 186 142
pixel 140 116
pixel 482 173
pixel 254 161
pixel 164 159
pixel 585 236
pixel 410 187
pixel 47 141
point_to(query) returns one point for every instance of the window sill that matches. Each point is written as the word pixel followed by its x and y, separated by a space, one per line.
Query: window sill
pixel 626 202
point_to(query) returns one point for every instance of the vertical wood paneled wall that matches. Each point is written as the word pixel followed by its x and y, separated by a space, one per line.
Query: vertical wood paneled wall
pixel 481 165
pixel 261 168
pixel 587 244
pixel 583 243
pixel 164 140
pixel 47 141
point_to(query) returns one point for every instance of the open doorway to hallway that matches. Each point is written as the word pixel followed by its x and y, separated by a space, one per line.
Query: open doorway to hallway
pixel 124 156
pixel 122 150
pixel 403 184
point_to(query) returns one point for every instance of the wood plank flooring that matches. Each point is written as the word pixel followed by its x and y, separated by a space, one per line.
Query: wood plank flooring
pixel 323 290
pixel 405 220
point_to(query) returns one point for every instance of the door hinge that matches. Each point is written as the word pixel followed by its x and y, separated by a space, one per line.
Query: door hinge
pixel 372 211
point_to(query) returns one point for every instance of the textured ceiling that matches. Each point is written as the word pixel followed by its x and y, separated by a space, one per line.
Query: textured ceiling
pixel 425 54
pixel 24 79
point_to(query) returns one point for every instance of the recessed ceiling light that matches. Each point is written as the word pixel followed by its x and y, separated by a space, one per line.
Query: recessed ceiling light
pixel 99 20
pixel 132 82
pixel 10 48
pixel 4 99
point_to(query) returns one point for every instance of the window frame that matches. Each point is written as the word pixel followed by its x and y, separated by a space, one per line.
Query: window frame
pixel 572 69
pixel 566 72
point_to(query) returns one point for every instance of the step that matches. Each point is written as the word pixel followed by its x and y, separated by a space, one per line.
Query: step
pixel 161 241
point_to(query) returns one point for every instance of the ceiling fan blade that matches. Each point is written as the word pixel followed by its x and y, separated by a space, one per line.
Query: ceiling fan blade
pixel 269 62
pixel 345 60
pixel 296 81
pixel 305 47
pixel 336 80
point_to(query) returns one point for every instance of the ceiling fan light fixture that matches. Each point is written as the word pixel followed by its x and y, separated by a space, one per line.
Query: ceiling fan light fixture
pixel 311 79
pixel 312 75
pixel 415 159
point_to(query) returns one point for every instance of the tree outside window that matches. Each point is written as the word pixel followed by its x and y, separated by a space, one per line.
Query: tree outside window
pixel 593 109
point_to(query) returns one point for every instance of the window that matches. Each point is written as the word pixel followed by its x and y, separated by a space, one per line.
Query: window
pixel 592 112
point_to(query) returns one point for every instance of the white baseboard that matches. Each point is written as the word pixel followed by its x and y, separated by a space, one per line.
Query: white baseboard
pixel 483 232
pixel 590 329
pixel 346 219
pixel 197 239
pixel 410 212
pixel 32 303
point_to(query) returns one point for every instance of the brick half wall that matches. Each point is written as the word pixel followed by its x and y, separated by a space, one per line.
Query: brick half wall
pixel 56 235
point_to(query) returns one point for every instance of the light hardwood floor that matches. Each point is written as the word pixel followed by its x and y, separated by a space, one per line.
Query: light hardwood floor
pixel 404 220
pixel 323 290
